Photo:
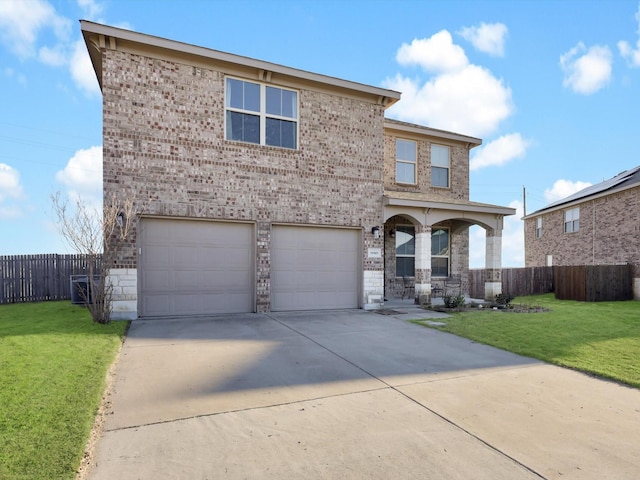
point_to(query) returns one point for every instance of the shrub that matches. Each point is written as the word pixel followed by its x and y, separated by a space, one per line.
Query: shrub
pixel 504 299
pixel 453 301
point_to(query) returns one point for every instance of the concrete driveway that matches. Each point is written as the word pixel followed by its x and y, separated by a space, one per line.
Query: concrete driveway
pixel 353 395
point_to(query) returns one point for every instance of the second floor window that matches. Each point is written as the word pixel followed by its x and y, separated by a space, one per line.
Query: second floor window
pixel 538 227
pixel 261 114
pixel 405 161
pixel 439 166
pixel 572 220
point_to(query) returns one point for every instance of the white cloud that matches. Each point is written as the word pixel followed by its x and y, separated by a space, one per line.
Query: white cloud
pixel 459 96
pixel 488 37
pixel 563 188
pixel 82 70
pixel 83 174
pixel 10 193
pixel 500 151
pixel 469 101
pixel 53 56
pixel 434 54
pixel 631 55
pixel 586 70
pixel 90 8
pixel 21 22
pixel 512 241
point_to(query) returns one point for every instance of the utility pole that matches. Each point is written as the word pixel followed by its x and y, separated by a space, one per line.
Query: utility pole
pixel 524 200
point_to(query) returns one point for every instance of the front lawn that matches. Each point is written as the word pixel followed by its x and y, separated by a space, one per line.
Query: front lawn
pixel 53 365
pixel 602 338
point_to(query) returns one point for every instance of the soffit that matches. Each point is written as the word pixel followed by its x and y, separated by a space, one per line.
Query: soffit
pixel 422 200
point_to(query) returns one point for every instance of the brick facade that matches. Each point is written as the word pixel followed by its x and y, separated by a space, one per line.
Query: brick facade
pixel 164 146
pixel 609 233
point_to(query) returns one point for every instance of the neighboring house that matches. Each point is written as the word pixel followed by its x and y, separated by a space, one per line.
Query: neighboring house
pixel 595 226
pixel 267 188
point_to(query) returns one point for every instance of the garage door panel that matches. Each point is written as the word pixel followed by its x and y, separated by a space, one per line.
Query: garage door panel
pixel 195 267
pixel 314 268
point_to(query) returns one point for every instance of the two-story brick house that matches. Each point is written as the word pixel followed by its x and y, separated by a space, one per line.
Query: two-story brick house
pixel 266 188
pixel 595 226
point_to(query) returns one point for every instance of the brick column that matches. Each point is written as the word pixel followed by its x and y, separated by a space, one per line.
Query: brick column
pixel 493 264
pixel 423 264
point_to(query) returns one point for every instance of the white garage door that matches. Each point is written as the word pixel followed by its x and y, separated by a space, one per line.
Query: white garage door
pixel 194 267
pixel 314 268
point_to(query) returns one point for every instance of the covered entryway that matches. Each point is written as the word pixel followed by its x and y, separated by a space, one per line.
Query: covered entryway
pixel 314 268
pixel 189 267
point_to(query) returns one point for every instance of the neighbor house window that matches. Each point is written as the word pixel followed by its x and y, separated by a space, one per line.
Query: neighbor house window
pixel 405 161
pixel 538 227
pixel 440 252
pixel 405 251
pixel 572 220
pixel 261 114
pixel 439 166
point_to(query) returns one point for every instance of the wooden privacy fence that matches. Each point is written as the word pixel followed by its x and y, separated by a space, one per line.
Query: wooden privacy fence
pixel 35 278
pixel 585 283
pixel 593 283
pixel 515 281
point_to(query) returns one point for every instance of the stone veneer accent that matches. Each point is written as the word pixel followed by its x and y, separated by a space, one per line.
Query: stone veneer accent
pixel 164 147
pixel 124 282
pixel 609 234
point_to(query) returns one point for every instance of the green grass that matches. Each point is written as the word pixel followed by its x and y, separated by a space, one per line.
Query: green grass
pixel 601 338
pixel 53 365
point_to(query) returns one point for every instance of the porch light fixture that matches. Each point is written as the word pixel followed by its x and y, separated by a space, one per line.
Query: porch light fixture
pixel 376 232
pixel 120 219
pixel 392 233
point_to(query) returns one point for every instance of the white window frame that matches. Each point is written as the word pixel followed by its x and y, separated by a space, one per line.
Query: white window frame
pixel 448 251
pixel 572 220
pixel 262 114
pixel 538 227
pixel 407 161
pixel 437 164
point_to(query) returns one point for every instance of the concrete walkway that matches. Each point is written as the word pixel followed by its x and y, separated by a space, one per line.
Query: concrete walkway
pixel 353 395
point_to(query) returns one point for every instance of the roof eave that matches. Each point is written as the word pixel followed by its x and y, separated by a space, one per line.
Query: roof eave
pixel 92 33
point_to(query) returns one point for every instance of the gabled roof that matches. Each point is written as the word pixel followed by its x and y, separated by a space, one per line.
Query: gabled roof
pixel 622 181
pixel 99 36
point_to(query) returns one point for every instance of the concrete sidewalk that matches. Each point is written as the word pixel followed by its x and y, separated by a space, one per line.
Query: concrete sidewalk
pixel 353 394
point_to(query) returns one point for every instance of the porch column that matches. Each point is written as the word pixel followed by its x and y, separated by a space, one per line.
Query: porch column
pixel 423 264
pixel 493 266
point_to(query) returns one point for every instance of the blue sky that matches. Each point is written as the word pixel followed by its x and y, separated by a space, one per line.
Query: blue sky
pixel 552 88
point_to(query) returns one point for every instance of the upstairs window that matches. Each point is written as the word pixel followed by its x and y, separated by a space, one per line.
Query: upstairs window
pixel 406 161
pixel 440 252
pixel 572 220
pixel 405 251
pixel 538 227
pixel 261 114
pixel 439 166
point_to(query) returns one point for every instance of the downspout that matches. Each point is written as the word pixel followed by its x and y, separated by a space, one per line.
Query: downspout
pixel 593 234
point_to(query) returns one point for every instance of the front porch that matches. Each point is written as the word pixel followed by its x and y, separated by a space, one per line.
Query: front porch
pixel 426 243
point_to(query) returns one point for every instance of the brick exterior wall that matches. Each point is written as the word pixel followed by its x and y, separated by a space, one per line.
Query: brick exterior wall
pixel 458 190
pixel 458 171
pixel 164 146
pixel 609 234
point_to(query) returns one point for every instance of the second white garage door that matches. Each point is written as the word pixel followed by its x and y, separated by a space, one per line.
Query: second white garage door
pixel 194 267
pixel 314 268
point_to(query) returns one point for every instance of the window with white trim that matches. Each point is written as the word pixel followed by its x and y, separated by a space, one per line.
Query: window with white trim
pixel 538 227
pixel 406 161
pixel 261 114
pixel 440 249
pixel 572 220
pixel 439 166
pixel 405 251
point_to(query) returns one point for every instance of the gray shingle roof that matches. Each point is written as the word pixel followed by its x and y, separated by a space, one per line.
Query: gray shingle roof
pixel 623 179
